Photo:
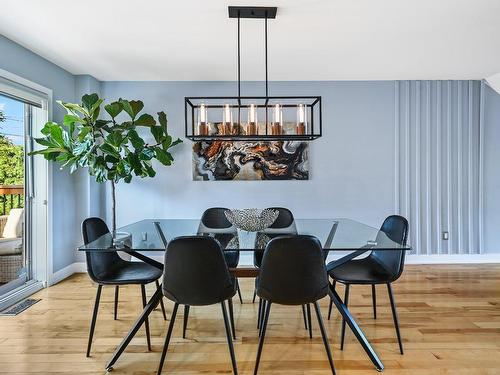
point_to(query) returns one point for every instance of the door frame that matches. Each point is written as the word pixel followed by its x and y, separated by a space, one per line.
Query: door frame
pixel 42 257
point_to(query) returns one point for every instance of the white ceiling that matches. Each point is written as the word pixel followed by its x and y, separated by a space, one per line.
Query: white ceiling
pixel 309 39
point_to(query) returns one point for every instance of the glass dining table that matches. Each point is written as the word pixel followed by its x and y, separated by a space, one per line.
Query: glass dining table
pixel 146 238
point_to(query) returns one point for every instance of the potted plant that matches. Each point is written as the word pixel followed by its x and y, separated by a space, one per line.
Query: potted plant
pixel 112 151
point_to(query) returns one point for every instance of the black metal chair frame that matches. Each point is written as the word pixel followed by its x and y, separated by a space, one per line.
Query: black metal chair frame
pixel 186 295
pixel 115 309
pixel 265 307
pixel 374 296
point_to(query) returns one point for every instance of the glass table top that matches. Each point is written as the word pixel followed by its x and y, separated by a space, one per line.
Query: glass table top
pixel 154 235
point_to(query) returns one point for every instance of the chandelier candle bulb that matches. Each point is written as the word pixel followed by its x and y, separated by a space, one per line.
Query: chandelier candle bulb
pixel 203 126
pixel 227 120
pixel 252 120
pixel 301 119
pixel 276 126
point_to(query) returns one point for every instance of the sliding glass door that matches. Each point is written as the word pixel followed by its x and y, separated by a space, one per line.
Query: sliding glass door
pixel 23 215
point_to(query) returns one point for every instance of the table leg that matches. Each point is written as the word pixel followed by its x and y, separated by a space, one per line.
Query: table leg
pixel 356 330
pixel 148 309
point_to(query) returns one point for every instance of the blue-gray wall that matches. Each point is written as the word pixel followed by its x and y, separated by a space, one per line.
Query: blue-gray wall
pixel 22 62
pixel 352 165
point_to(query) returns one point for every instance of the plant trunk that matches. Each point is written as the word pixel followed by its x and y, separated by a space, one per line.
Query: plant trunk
pixel 113 206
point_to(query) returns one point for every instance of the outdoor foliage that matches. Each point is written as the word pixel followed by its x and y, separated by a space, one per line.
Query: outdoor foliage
pixel 11 162
pixel 11 169
pixel 111 150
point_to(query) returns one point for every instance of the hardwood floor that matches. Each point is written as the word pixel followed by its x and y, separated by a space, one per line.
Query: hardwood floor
pixel 449 318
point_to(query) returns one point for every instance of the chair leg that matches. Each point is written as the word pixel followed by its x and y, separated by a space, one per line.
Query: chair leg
pixel 239 292
pixel 254 295
pixel 262 336
pixel 231 317
pixel 259 314
pixel 395 317
pixel 117 288
pixel 374 300
pixel 331 301
pixel 342 332
pixel 304 316
pixel 167 339
pixel 94 318
pixel 161 302
pixel 309 322
pixel 146 322
pixel 324 336
pixel 185 324
pixel 229 339
pixel 262 316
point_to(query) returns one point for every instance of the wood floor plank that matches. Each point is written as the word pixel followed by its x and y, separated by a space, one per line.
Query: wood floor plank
pixel 449 318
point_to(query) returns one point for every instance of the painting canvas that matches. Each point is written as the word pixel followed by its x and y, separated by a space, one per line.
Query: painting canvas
pixel 228 160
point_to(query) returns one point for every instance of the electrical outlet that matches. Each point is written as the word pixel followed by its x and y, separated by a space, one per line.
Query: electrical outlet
pixel 446 236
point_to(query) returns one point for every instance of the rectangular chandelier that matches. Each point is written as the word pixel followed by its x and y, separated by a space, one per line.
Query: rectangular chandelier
pixel 253 118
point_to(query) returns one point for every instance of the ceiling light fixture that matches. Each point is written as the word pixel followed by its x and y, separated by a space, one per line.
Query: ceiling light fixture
pixel 281 117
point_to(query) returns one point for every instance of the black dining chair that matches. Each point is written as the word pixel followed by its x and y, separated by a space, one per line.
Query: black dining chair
pixel 206 281
pixel 214 218
pixel 107 268
pixel 284 220
pixel 380 267
pixel 293 272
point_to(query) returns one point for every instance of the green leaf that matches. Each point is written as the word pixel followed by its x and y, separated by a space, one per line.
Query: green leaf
pixel 114 109
pixel 73 108
pixel 88 101
pixel 83 133
pixel 123 168
pixel 163 157
pixel 46 128
pixel 101 123
pixel 81 148
pixel 166 142
pixel 56 133
pixel 145 120
pixel 149 170
pixel 132 107
pixel 146 154
pixel 71 119
pixel 135 163
pixel 162 118
pixel 96 106
pixel 115 138
pixel 158 134
pixel 111 159
pixel 95 111
pixel 108 149
pixel 135 139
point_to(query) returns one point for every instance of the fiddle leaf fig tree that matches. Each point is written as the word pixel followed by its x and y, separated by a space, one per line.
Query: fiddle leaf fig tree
pixel 111 150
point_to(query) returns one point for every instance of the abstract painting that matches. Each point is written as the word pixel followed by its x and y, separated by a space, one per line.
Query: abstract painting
pixel 229 160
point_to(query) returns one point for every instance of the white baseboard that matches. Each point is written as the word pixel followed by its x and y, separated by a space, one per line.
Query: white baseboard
pixel 66 272
pixel 453 259
pixel 247 260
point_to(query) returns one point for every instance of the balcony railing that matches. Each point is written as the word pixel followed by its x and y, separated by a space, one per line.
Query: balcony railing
pixel 11 196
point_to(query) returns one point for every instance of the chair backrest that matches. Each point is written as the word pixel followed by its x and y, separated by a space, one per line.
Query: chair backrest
pixel 215 217
pixel 293 271
pixel 395 227
pixel 284 219
pixel 97 262
pixel 195 272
